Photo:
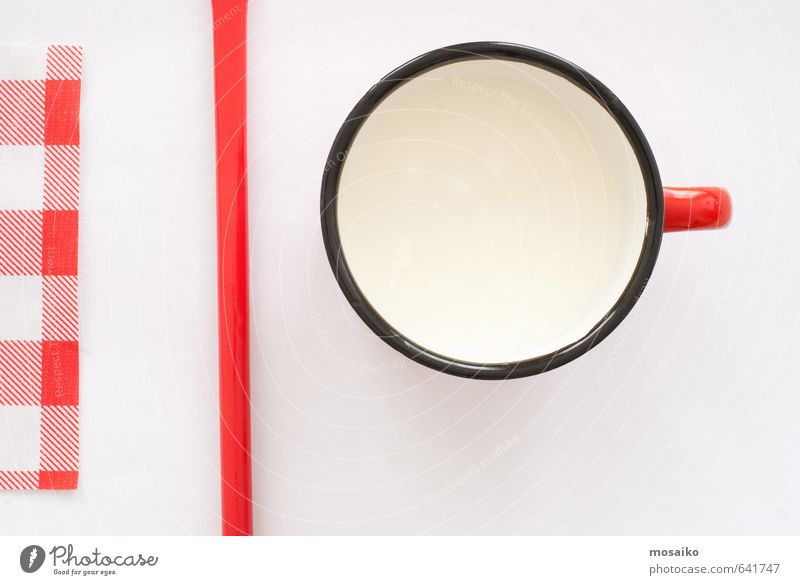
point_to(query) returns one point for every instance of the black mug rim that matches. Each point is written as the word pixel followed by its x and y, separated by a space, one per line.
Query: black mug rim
pixel 505 51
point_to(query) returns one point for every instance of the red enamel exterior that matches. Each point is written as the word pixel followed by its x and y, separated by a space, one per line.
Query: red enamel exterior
pixel 691 208
pixel 230 68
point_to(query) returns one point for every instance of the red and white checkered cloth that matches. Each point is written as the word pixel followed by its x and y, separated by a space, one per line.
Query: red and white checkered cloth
pixel 39 186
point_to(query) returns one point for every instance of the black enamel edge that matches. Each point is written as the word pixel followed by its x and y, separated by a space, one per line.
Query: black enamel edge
pixel 561 67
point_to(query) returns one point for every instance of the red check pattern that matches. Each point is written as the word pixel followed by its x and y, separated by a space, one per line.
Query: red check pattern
pixel 39 375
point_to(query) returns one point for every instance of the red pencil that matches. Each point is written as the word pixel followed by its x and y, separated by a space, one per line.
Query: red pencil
pixel 230 89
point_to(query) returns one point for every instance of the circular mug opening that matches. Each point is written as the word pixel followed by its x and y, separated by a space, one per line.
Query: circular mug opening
pixel 490 213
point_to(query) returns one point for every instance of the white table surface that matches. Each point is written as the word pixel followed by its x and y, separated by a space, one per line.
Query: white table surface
pixel 684 421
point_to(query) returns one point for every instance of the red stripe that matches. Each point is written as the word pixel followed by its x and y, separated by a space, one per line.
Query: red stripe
pixel 59 438
pixel 19 480
pixel 64 62
pixel 20 373
pixel 60 308
pixel 22 106
pixel 20 242
pixel 61 176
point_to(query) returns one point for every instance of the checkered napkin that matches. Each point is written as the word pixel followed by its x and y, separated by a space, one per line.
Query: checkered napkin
pixel 39 185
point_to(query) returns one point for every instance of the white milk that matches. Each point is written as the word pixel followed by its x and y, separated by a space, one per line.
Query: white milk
pixel 491 211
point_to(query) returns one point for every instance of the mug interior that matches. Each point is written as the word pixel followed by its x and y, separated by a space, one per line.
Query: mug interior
pixel 491 211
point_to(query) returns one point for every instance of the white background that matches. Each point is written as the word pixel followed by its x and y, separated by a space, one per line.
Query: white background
pixel 684 421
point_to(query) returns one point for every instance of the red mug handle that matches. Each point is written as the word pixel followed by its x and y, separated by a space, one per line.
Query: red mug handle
pixel 695 208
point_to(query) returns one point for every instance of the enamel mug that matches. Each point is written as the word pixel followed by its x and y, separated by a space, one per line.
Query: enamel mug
pixel 494 211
